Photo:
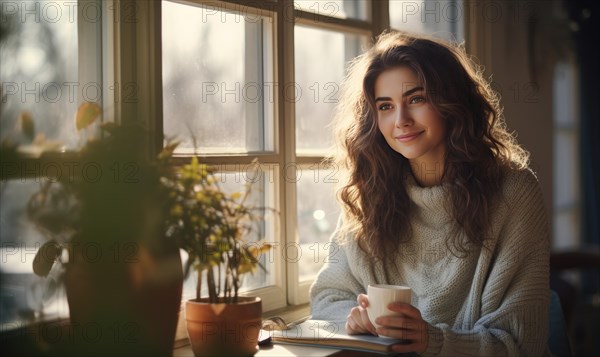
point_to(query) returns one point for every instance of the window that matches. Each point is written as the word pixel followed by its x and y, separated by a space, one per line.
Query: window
pixel 218 99
pixel 233 90
pixel 40 69
pixel 319 80
pixel 245 80
pixel 23 295
pixel 51 62
pixel 232 80
pixel 217 79
pixel 566 159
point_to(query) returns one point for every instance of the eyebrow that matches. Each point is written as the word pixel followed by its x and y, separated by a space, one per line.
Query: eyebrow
pixel 407 93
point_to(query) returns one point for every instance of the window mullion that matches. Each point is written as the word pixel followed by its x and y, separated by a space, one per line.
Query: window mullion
pixel 287 144
pixel 380 16
pixel 332 23
pixel 109 51
pixel 138 80
pixel 89 47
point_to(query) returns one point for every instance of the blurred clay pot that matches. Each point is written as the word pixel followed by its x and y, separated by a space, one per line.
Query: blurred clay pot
pixel 124 307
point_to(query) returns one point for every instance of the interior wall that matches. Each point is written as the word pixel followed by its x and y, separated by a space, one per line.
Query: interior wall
pixel 518 43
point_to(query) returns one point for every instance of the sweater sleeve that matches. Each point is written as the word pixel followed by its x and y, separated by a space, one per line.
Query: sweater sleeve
pixel 513 309
pixel 334 292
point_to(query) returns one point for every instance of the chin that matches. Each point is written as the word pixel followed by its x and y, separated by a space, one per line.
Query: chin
pixel 409 155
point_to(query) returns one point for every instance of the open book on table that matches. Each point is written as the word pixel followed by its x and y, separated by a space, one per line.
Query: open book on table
pixel 330 334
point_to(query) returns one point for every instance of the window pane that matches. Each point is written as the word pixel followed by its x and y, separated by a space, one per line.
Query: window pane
pixel 23 295
pixel 441 18
pixel 318 83
pixel 261 196
pixel 566 170
pixel 566 180
pixel 318 212
pixel 355 9
pixel 38 70
pixel 217 79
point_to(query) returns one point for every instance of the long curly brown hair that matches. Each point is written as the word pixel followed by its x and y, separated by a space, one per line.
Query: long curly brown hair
pixel 478 146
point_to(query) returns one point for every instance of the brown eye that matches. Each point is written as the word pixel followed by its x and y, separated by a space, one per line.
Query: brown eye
pixel 385 106
pixel 416 100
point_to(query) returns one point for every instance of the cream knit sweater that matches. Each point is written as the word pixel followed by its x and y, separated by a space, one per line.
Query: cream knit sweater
pixel 493 302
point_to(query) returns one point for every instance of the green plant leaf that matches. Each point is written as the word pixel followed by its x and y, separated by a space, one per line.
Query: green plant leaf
pixel 27 124
pixel 86 114
pixel 45 258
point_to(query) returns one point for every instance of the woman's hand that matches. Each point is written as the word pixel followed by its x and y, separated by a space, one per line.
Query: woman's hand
pixel 358 321
pixel 410 326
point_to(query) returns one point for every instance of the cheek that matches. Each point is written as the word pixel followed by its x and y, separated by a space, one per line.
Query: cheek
pixel 441 127
pixel 385 121
pixel 436 124
pixel 381 124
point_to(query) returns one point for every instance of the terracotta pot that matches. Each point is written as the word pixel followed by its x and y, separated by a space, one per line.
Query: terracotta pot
pixel 224 329
pixel 125 306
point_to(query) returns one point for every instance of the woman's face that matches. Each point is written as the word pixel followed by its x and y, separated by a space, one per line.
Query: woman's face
pixel 409 123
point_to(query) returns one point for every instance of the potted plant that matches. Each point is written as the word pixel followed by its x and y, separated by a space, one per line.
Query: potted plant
pixel 211 225
pixel 106 229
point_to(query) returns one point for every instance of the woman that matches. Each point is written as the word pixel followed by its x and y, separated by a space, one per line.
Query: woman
pixel 438 198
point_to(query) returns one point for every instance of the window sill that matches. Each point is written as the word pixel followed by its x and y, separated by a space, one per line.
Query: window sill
pixel 45 165
pixel 36 337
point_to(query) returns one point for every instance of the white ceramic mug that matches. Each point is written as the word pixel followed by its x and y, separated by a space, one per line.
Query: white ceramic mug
pixel 381 295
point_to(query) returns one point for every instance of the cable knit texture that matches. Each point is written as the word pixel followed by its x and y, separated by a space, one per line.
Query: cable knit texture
pixel 489 302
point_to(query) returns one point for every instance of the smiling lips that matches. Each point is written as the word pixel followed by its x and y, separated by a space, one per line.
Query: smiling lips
pixel 408 137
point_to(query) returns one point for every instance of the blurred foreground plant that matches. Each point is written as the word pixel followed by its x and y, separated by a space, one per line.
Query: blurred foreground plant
pixel 187 203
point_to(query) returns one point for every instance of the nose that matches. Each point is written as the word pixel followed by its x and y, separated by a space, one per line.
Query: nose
pixel 403 118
